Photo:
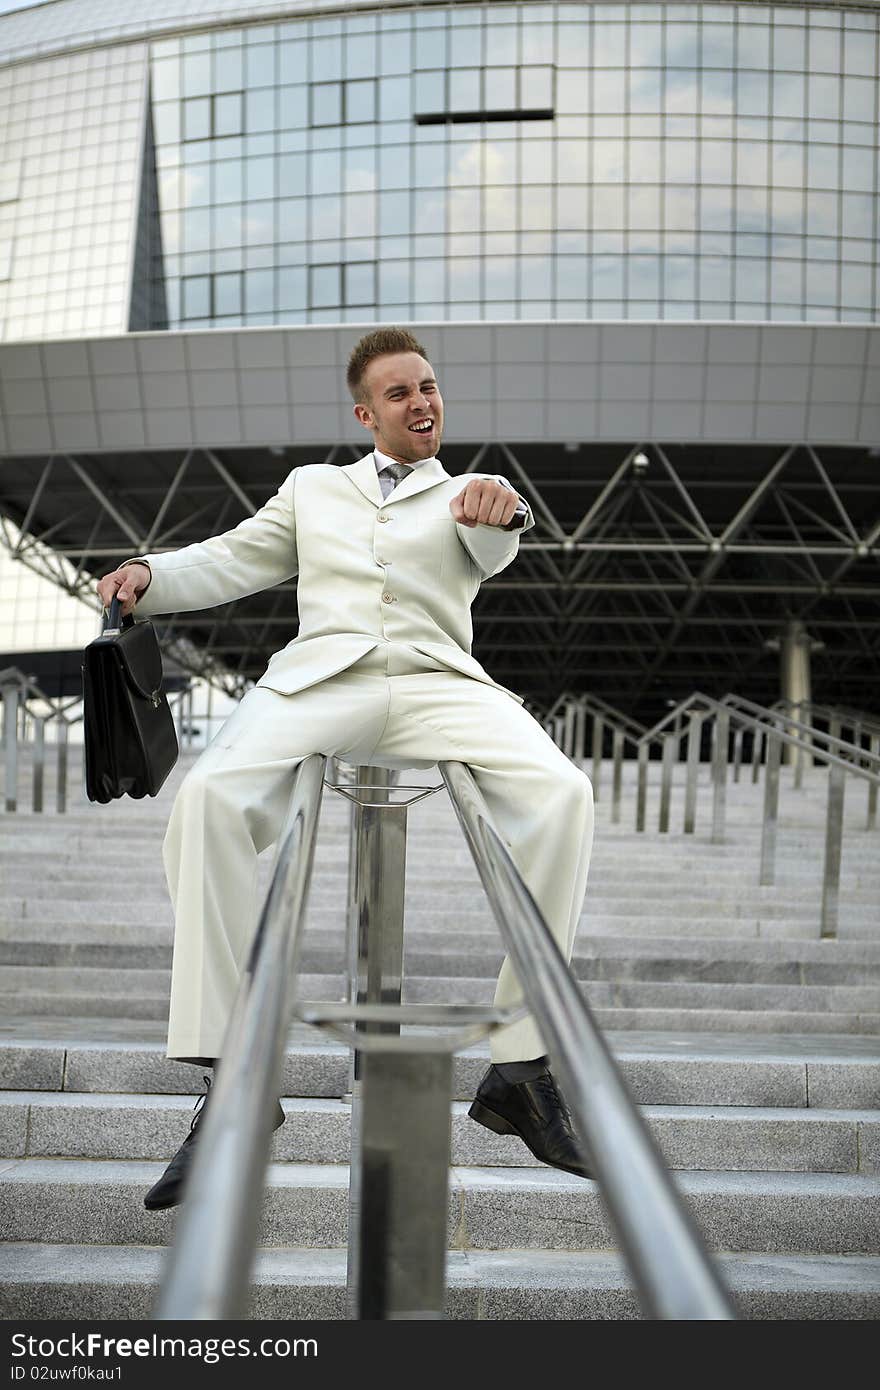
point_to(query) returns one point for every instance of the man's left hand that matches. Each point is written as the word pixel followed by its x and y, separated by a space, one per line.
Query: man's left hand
pixel 484 503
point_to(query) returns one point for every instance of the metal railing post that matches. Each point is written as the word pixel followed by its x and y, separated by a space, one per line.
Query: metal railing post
pixel 579 732
pixel 872 787
pixel 798 755
pixel 61 783
pixel 833 847
pixel 771 810
pixel 737 753
pixel 10 741
pixel 401 1100
pixel 757 750
pixel 39 760
pixel 719 776
pixel 568 738
pixel 617 784
pixel 642 789
pixel 598 733
pixel 670 748
pixel 695 729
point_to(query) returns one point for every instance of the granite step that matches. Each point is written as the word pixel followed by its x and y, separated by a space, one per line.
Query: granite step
pixel 88 1282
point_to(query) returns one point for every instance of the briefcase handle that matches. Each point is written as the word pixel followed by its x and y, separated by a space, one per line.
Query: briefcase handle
pixel 112 622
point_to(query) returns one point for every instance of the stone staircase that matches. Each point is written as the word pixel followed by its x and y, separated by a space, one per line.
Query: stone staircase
pixel 752 1046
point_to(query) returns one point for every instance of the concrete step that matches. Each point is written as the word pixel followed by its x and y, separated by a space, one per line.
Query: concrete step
pixel 38 1124
pixel 126 1056
pixel 88 1201
pixel 88 1282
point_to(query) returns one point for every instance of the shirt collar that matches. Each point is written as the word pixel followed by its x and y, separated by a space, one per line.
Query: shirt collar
pixel 382 461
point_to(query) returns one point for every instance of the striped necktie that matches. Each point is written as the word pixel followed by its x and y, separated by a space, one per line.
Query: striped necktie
pixel 391 475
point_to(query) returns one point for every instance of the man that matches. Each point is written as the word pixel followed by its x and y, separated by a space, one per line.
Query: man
pixel 389 553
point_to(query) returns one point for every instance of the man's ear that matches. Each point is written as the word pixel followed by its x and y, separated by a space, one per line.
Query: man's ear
pixel 363 414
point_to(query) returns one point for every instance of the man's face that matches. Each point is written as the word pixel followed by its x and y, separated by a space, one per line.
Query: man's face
pixel 404 409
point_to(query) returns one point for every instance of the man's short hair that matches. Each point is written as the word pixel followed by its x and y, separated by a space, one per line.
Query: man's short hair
pixel 379 343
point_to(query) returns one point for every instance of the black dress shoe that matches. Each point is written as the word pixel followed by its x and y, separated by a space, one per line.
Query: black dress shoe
pixel 533 1110
pixel 167 1192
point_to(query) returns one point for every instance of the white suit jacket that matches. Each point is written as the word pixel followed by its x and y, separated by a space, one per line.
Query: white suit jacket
pixel 369 570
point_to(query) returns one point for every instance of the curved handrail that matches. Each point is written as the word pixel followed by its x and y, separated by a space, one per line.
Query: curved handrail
pixel 209 1266
pixel 670 1266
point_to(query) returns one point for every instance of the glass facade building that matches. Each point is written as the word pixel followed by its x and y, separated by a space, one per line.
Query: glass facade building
pixel 538 161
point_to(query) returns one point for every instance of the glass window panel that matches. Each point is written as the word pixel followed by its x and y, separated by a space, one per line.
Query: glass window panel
pixel 259 224
pixel 197 119
pixel 325 171
pixel 394 282
pixel 196 230
pixel 857 215
pixel 789 48
pixel 751 162
pixel 645 88
pixel 680 277
pixel 821 282
pixel 196 74
pixel 228 114
pixel 571 277
pixel 500 89
pixel 260 110
pixel 292 219
pixel 823 96
pixel 718 46
pixel 228 227
pixel 681 161
pixel 681 90
pixel 196 291
pixel 822 216
pixel 787 164
pixel 717 91
pixel 260 65
pixel 753 93
pixel 464 278
pixel 609 92
pixel 644 277
pixel 788 94
pixel 428 281
pixel 166 122
pixel 293 108
pixel 500 277
pixel 326 217
pixel 536 161
pixel 293 173
pixel 754 45
pixel 855 289
pixel 293 61
pixel 360 101
pixel 537 39
pixel 609 45
pixel 858 99
pixel 197 187
pixel 571 208
pixel 750 279
pixel 465 46
pixel 326 60
pixel 430 166
pixel 360 214
pixel 502 40
pixel 464 210
pixel 644 206
pixel 607 206
pixel 431 48
pixel 714 277
pixel 165 79
pixel 536 277
pixel 394 166
pixel 327 103
pixel 464 90
pixel 260 177
pixel 292 287
pixel 500 210
pixel 825 50
pixel 717 161
pixel 394 214
pixel 606 277
pixel 394 99
pixel 573 44
pixel 430 91
pixel 858 54
pixel 359 280
pixel 359 170
pixel 536 88
pixel 645 45
pixel 679 208
pixel 572 93
pixel 787 211
pixel 227 294
pixel 325 282
pixel 858 169
pixel 465 163
pixel 360 57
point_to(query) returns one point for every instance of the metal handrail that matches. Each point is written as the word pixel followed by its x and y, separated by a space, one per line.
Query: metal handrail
pixel 869 723
pixel 209 1267
pixel 670 1266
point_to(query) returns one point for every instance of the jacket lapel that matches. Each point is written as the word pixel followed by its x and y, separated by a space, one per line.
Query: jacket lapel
pixel 365 478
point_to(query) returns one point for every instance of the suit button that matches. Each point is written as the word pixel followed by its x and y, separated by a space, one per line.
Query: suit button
pixel 388 598
pixel 382 517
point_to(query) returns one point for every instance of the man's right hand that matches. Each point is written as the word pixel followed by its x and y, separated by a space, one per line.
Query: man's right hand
pixel 127 584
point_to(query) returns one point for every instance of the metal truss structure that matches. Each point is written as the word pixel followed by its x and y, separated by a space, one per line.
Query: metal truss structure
pixel 653 567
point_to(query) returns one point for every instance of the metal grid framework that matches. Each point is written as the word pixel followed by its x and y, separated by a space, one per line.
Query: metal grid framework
pixel 653 568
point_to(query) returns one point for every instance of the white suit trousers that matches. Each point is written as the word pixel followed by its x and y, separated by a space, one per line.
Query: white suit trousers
pixel 393 708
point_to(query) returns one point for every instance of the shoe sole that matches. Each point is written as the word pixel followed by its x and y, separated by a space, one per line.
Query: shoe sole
pixel 499 1125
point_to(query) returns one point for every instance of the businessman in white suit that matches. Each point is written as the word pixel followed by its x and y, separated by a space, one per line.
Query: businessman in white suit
pixel 389 553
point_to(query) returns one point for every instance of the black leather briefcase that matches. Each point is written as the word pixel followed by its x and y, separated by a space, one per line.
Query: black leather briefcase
pixel 129 735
